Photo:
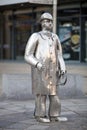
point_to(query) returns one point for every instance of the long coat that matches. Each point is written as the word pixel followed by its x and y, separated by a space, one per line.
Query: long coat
pixel 45 48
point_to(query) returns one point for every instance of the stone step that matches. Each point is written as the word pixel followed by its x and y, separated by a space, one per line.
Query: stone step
pixel 18 86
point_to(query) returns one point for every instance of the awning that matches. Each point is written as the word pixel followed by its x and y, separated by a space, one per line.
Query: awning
pixel 10 2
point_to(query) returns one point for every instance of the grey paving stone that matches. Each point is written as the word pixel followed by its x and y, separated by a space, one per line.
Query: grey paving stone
pixel 38 127
pixel 20 126
pixel 4 123
pixel 30 122
pixel 9 129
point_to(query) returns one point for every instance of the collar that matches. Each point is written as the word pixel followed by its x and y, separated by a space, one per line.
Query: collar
pixel 47 33
pixel 44 34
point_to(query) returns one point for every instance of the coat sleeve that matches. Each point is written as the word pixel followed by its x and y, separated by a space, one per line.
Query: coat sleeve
pixel 60 56
pixel 29 55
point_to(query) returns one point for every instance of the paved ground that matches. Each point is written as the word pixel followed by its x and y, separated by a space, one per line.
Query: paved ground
pixel 18 115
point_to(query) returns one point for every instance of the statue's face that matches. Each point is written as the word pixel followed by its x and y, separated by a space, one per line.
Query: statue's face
pixel 47 24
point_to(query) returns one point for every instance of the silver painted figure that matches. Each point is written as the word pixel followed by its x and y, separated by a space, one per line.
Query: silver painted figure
pixel 44 53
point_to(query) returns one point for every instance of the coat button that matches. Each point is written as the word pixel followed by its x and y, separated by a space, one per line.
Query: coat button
pixel 50 83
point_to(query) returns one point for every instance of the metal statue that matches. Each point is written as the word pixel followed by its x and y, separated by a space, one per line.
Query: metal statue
pixel 44 53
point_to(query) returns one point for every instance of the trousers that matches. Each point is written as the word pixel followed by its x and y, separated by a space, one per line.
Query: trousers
pixel 54 106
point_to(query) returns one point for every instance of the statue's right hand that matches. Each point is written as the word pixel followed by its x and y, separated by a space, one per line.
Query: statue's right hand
pixel 39 66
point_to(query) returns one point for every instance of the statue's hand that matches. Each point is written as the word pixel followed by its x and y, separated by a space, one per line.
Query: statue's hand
pixel 39 66
pixel 43 66
pixel 63 72
pixel 63 77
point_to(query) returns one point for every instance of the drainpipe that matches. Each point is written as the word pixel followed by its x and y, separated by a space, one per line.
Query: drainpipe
pixel 54 15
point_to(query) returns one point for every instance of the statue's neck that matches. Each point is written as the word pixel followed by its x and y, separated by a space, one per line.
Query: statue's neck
pixel 47 33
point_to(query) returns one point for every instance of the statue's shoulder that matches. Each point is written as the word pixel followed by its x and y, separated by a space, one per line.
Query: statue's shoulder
pixel 54 35
pixel 40 33
pixel 35 34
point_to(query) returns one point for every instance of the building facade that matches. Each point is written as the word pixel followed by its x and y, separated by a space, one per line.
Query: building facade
pixel 19 20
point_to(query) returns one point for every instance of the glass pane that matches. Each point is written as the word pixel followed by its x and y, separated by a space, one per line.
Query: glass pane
pixel 69 34
pixel 23 29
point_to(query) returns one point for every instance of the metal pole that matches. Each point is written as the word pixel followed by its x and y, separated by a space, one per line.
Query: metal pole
pixel 54 15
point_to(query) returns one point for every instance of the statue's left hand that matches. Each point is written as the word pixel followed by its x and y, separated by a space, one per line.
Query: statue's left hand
pixel 63 72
